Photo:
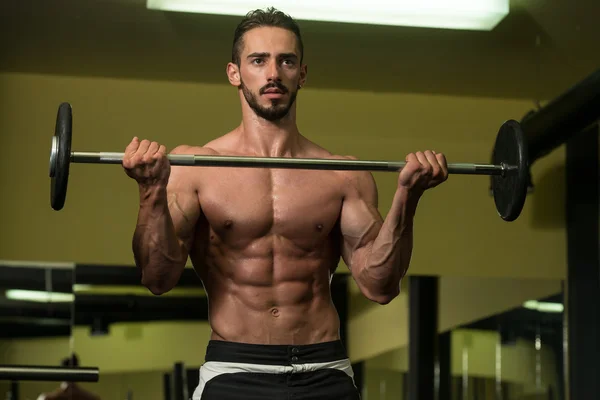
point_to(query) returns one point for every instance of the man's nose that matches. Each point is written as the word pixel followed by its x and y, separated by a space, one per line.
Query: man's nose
pixel 273 72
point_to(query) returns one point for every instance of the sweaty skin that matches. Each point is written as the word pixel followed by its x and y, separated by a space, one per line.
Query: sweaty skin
pixel 265 242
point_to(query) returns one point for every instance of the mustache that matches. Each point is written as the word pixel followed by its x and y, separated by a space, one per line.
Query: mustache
pixel 274 85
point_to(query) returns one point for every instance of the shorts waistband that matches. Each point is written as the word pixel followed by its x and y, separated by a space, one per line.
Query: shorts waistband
pixel 268 354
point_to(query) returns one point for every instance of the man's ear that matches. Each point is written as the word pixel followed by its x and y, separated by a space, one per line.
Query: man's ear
pixel 233 74
pixel 303 73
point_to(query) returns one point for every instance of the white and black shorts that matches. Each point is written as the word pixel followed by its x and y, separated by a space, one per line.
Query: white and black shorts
pixel 243 371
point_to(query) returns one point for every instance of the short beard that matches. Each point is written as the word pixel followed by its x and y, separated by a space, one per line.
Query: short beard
pixel 276 111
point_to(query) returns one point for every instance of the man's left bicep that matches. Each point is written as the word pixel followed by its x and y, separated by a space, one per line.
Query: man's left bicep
pixel 360 219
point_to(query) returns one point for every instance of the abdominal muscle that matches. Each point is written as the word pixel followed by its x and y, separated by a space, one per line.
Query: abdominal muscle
pixel 270 293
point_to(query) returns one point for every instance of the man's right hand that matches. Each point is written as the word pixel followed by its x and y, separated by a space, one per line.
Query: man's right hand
pixel 147 163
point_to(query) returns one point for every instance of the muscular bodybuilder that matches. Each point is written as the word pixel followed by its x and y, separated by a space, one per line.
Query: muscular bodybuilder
pixel 265 242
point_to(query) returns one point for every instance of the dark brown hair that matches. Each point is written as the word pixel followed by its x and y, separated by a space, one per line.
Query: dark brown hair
pixel 259 18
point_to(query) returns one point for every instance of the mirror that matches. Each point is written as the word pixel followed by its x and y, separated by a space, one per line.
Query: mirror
pixel 138 340
pixel 512 355
pixel 36 314
pixel 500 339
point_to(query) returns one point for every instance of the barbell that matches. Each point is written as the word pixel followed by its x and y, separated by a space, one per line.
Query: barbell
pixel 509 171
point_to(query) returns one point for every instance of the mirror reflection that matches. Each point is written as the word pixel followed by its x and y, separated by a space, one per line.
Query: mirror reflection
pixel 498 339
pixel 137 339
pixel 516 354
pixel 36 319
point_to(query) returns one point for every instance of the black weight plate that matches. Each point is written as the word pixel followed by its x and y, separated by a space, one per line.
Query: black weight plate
pixel 510 190
pixel 60 178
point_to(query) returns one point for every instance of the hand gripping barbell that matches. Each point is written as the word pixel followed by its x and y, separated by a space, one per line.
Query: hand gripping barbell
pixel 509 171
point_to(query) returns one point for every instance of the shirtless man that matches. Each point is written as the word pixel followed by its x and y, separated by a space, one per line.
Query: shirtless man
pixel 265 242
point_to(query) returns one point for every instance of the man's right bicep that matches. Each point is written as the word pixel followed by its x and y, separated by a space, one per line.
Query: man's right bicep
pixel 184 208
pixel 182 197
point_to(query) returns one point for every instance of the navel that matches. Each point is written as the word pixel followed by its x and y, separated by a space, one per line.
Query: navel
pixel 275 312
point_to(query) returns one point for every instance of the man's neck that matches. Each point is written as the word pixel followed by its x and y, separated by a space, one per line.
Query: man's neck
pixel 270 138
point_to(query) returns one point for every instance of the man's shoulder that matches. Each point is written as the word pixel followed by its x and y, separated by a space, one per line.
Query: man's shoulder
pixel 193 149
pixel 342 157
pixel 359 174
pixel 217 146
pixel 190 177
pixel 214 147
pixel 317 151
pixel 359 182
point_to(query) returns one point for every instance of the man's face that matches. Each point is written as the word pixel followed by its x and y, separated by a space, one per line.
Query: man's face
pixel 270 71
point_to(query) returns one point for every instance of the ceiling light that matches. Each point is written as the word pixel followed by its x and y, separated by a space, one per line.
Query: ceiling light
pixel 544 306
pixel 457 14
pixel 38 296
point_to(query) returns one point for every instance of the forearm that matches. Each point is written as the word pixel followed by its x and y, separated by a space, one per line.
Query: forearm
pixel 387 259
pixel 156 248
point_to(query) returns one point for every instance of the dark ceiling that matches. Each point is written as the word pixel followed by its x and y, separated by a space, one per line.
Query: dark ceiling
pixel 540 50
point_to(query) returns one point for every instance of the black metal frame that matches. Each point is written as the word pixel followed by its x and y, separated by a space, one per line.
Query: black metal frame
pixel 48 373
pixel 583 273
pixel 35 278
pixel 423 310
pixel 567 115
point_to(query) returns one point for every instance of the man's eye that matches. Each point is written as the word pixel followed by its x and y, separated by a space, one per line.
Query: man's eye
pixel 257 61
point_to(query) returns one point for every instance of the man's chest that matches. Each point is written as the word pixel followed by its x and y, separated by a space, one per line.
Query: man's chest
pixel 257 202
